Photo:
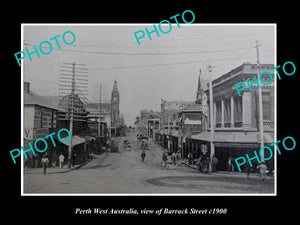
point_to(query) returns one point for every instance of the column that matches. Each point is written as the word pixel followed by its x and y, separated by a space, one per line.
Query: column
pixel 222 113
pixel 231 111
pixel 215 114
pixel 192 151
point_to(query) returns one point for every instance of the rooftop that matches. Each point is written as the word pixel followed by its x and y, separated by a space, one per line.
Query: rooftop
pixel 31 98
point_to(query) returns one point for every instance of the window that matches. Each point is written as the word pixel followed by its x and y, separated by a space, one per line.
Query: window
pixel 37 117
pixel 266 102
pixel 218 112
pixel 227 110
pixel 54 119
pixel 238 112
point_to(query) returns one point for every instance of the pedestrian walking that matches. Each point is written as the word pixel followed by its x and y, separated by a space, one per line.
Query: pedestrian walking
pixel 248 169
pixel 164 160
pixel 54 159
pixel 205 164
pixel 174 158
pixel 214 164
pixel 262 170
pixel 177 156
pixel 61 160
pixel 143 155
pixel 200 164
pixel 36 158
pixel 45 162
pixel 74 155
pixel 190 158
pixel 230 165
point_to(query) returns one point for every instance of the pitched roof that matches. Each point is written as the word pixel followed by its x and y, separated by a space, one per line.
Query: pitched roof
pixel 32 98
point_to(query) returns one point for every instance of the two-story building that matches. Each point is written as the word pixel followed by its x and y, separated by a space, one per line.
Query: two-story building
pixel 39 120
pixel 236 118
pixel 178 119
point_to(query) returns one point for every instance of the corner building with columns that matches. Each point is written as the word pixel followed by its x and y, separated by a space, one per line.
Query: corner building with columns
pixel 236 118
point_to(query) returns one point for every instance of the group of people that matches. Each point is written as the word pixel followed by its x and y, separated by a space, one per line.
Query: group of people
pixel 126 145
pixel 60 158
pixel 261 167
pixel 174 158
pixel 203 164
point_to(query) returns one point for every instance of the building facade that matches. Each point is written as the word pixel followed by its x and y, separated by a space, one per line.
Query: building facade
pixel 39 120
pixel 40 116
pixel 236 118
pixel 178 120
pixel 115 108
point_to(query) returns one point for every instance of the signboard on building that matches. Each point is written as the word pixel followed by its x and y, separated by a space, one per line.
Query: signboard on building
pixel 28 133
pixel 204 104
pixel 34 133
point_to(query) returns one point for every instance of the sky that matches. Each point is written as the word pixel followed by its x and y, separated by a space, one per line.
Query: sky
pixel 166 67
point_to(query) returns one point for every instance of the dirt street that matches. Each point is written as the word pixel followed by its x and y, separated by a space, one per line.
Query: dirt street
pixel 124 173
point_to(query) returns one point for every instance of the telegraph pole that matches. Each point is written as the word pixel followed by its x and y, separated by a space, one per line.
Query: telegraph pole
pixel 212 122
pixel 72 98
pixel 99 125
pixel 71 80
pixel 261 120
pixel 169 132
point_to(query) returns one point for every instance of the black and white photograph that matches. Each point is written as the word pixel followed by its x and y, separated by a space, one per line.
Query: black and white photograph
pixel 144 109
pixel 149 112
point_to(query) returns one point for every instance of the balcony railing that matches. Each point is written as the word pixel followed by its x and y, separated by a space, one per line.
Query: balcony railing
pixel 238 124
pixel 228 124
pixel 268 124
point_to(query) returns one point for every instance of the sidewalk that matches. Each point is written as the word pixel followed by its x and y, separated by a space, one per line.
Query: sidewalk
pixel 54 170
pixel 226 173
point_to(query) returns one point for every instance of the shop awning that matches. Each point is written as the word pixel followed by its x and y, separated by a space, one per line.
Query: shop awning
pixel 76 140
pixel 237 137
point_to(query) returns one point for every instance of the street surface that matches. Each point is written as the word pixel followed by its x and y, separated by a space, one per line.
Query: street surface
pixel 123 172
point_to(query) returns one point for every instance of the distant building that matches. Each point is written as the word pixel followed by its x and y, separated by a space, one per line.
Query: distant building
pixel 174 117
pixel 115 108
pixel 93 121
pixel 149 122
pixel 191 121
pixel 111 120
pixel 153 126
pixel 199 93
pixel 170 111
pixel 93 116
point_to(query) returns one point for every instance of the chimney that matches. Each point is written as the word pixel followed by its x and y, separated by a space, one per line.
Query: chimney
pixel 26 86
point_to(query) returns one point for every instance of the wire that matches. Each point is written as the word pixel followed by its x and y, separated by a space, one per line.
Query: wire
pixel 175 63
pixel 146 53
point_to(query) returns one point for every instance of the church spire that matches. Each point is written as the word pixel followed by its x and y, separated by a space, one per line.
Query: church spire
pixel 115 87
pixel 199 90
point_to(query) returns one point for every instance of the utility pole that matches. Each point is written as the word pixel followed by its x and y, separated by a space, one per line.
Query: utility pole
pixel 99 125
pixel 261 120
pixel 169 132
pixel 72 98
pixel 212 121
pixel 69 85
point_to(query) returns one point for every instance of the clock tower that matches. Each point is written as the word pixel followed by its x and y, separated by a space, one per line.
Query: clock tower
pixel 115 103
